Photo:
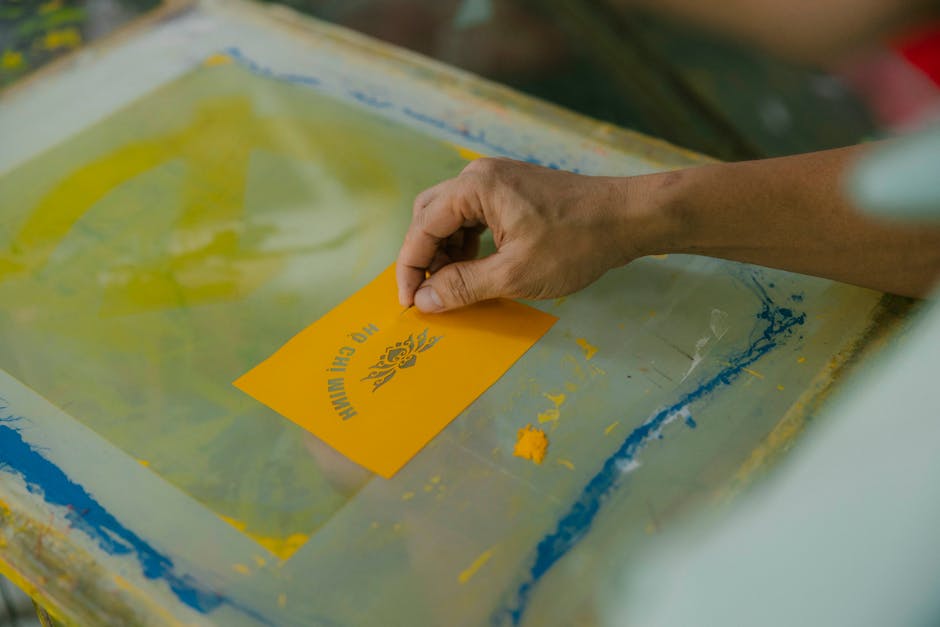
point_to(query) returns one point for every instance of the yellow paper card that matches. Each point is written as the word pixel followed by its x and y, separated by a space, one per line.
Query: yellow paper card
pixel 377 383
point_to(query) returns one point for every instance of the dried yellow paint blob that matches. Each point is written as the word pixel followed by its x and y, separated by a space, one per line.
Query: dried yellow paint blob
pixel 800 360
pixel 242 569
pixel 780 387
pixel 566 463
pixel 589 349
pixel 477 564
pixel 611 427
pixel 11 60
pixel 531 444
pixel 407 496
pixel 260 561
pixel 144 463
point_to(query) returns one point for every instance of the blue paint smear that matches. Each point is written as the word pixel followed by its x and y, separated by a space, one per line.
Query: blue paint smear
pixel 47 480
pixel 690 422
pixel 477 138
pixel 576 522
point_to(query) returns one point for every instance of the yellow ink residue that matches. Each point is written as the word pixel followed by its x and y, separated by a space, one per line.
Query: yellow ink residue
pixel 611 427
pixel 11 60
pixel 566 463
pixel 549 415
pixel 280 547
pixel 468 154
pixel 557 399
pixel 282 600
pixel 217 59
pixel 801 360
pixel 780 387
pixel 477 564
pixel 753 373
pixel 241 569
pixel 62 38
pixel 589 349
pixel 553 414
pixel 531 444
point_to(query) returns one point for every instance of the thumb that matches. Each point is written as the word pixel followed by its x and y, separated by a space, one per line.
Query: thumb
pixel 462 283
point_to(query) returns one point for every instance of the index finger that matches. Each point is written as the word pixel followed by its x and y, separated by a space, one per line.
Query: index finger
pixel 431 224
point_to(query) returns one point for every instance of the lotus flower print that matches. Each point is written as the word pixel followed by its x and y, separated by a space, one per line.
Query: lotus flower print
pixel 402 355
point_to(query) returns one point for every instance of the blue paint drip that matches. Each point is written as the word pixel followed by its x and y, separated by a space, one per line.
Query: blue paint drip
pixel 577 521
pixel 478 138
pixel 690 422
pixel 44 478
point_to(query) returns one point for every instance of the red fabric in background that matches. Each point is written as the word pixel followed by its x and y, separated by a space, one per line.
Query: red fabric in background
pixel 922 50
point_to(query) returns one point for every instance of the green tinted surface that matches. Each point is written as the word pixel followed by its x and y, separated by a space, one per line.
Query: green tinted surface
pixel 222 205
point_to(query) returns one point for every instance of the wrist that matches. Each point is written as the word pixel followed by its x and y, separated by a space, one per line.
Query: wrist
pixel 652 214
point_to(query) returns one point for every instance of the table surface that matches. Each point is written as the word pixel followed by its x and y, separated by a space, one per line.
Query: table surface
pixel 229 176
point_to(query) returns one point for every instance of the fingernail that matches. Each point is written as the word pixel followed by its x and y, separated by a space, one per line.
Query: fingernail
pixel 427 300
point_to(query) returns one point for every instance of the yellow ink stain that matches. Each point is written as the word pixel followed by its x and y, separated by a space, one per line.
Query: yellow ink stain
pixel 566 463
pixel 436 479
pixel 212 194
pixel 282 600
pixel 557 399
pixel 780 387
pixel 217 59
pixel 596 370
pixel 260 561
pixel 800 360
pixel 62 38
pixel 753 373
pixel 467 153
pixel 144 463
pixel 531 444
pixel 611 427
pixel 241 569
pixel 659 256
pixel 549 415
pixel 11 60
pixel 477 564
pixel 589 349
pixel 407 496
pixel 282 548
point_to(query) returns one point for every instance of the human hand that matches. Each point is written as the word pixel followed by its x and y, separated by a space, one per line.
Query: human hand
pixel 555 233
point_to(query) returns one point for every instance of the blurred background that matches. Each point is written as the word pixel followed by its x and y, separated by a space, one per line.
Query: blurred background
pixel 626 66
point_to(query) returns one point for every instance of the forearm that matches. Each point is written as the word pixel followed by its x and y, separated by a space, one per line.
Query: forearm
pixel 791 213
